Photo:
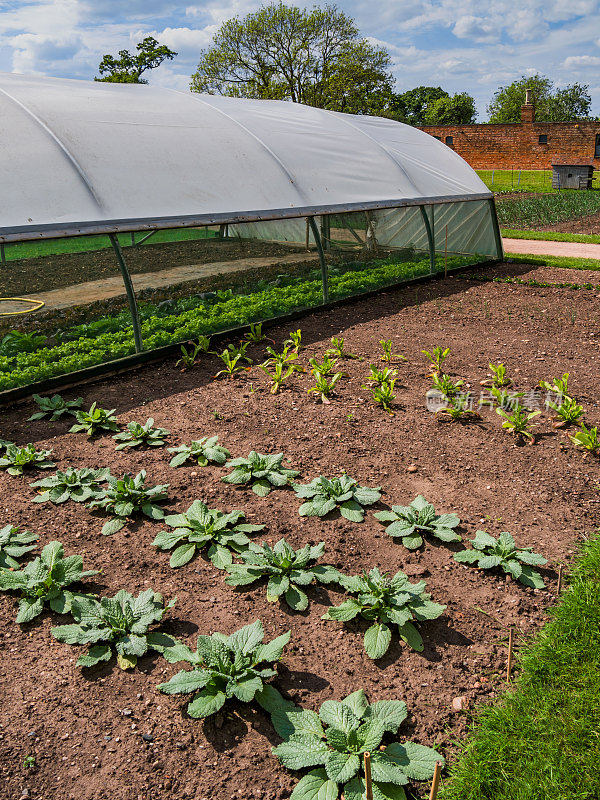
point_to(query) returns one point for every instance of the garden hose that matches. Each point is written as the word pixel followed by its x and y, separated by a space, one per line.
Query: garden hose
pixel 36 303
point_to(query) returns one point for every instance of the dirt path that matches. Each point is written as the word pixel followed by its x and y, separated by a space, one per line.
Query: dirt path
pixel 543 248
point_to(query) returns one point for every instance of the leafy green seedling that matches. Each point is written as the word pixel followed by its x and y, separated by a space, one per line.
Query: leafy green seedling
pixel 262 471
pixel 127 497
pixel 15 342
pixel 383 395
pixel 323 387
pixel 14 545
pixel 336 740
pixel 413 522
pixel 232 365
pixel 457 410
pixel 201 527
pixel 255 333
pixel 287 356
pixel 95 421
pixel 385 602
pixel 322 496
pixel 568 411
pixel 54 407
pixel 558 385
pixel 387 354
pixel 380 376
pixel 337 349
pixel 295 341
pixel 278 372
pixel 16 460
pixel 587 439
pixel 75 484
pixel 519 422
pixel 44 581
pixel 325 367
pixel 239 350
pixel 136 434
pixel 224 667
pixel 29 762
pixel 189 357
pixel 121 622
pixel 437 357
pixel 499 379
pixel 444 384
pixel 505 398
pixel 489 553
pixel 285 568
pixel 202 451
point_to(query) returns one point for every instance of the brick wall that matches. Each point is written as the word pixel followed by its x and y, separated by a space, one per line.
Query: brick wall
pixel 517 145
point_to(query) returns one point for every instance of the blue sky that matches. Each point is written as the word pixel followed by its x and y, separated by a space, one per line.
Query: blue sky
pixel 462 45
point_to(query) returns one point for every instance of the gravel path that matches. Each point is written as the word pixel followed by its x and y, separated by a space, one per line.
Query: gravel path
pixel 542 248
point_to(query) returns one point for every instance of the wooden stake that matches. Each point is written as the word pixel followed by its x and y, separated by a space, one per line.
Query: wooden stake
pixel 511 639
pixel 368 781
pixel 560 579
pixel 435 784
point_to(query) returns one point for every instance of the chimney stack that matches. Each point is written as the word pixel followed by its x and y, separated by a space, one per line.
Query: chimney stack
pixel 528 109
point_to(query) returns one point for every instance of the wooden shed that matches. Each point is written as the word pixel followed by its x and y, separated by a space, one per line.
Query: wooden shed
pixel 572 176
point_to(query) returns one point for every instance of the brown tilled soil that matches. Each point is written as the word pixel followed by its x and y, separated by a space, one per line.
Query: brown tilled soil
pixel 588 224
pixel 86 728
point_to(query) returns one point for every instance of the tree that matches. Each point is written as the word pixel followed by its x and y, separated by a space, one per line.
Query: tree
pixel 283 52
pixel 456 110
pixel 411 106
pixel 563 105
pixel 128 68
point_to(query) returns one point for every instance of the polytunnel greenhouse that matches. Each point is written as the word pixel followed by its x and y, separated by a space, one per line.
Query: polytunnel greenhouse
pixel 133 218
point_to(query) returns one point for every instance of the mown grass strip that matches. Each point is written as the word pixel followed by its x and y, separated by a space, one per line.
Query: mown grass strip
pixel 564 262
pixel 541 740
pixel 551 236
pixel 526 180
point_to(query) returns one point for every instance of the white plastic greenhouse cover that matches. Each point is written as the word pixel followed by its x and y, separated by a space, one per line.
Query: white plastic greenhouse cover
pixel 84 157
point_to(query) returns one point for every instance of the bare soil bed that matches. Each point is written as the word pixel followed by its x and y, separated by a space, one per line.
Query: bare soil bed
pixel 589 224
pixel 85 727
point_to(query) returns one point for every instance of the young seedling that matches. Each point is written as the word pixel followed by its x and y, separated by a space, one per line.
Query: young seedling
pixel 457 410
pixel 499 379
pixel 323 496
pixel 202 451
pixel 519 423
pixel 323 387
pixel 378 377
pixel 224 667
pixel 16 460
pixel 255 333
pixel 445 385
pixel 558 385
pixel 136 434
pixel 567 411
pixel 262 471
pixel 490 553
pixel 336 740
pixel 385 602
pixel 189 357
pixel 278 372
pixel 127 497
pixel 75 484
pixel 14 545
pixel 387 354
pixel 436 358
pixel 240 351
pixel 284 358
pixel 504 398
pixel 295 341
pixel 232 365
pixel 54 407
pixel 587 439
pixel 383 395
pixel 285 569
pixel 413 522
pixel 337 349
pixel 121 622
pixel 95 421
pixel 44 581
pixel 202 528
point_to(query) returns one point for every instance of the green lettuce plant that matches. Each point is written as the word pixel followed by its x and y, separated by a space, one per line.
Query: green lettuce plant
pixel 95 421
pixel 255 333
pixel 338 350
pixel 437 357
pixel 232 365
pixel 136 434
pixel 519 423
pixel 295 340
pixel 127 497
pixel 568 411
pixel 387 355
pixel 499 379
pixel 121 623
pixel 587 439
pixel 54 407
pixel 383 395
pixel 14 545
pixel 457 410
pixel 279 372
pixel 285 570
pixel 189 357
pixel 385 602
pixel 261 471
pixel 75 484
pixel 502 553
pixel 445 385
pixel 202 528
pixel 323 496
pixel 16 460
pixel 379 377
pixel 335 742
pixel 44 581
pixel 224 667
pixel 413 522
pixel 202 451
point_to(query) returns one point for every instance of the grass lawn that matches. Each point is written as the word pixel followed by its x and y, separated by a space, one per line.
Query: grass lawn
pixel 551 236
pixel 542 740
pixel 554 261
pixel 527 180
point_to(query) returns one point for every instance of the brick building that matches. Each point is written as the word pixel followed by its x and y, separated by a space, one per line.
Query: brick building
pixel 523 145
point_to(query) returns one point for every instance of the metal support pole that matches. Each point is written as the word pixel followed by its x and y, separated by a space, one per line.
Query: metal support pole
pixel 497 234
pixel 2 255
pixel 143 239
pixel 326 233
pixel 324 277
pixel 137 335
pixel 133 238
pixel 429 239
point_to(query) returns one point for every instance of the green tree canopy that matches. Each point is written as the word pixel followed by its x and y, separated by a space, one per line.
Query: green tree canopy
pixel 561 105
pixel 456 110
pixel 128 67
pixel 283 52
pixel 412 106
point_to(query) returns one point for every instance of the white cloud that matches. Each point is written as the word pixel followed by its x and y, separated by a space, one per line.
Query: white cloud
pixel 575 62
